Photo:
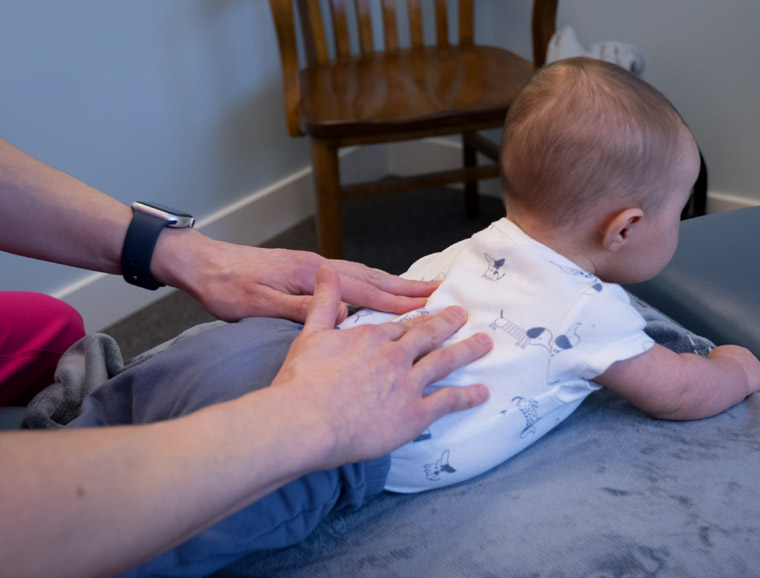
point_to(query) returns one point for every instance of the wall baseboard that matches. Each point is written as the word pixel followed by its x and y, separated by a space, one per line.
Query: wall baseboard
pixel 720 202
pixel 105 299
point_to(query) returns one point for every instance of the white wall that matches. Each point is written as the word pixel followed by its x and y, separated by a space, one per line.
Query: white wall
pixel 702 54
pixel 176 101
pixel 179 101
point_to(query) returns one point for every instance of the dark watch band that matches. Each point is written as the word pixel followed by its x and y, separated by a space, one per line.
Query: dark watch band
pixel 137 252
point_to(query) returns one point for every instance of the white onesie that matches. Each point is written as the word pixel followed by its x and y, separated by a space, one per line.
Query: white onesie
pixel 554 326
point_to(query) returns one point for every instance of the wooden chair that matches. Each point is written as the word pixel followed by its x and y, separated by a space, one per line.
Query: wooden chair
pixel 387 90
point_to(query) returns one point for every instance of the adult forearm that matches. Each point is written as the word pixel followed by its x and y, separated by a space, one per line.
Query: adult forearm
pixel 49 215
pixel 96 502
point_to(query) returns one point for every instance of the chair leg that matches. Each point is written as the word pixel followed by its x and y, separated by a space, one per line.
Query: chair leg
pixel 471 199
pixel 324 158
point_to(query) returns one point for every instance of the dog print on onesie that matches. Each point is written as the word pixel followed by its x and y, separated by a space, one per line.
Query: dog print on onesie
pixel 554 327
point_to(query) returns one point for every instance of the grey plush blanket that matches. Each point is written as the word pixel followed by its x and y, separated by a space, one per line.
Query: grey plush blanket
pixel 609 493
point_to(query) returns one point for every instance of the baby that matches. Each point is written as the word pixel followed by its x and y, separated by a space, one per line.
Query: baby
pixel 597 166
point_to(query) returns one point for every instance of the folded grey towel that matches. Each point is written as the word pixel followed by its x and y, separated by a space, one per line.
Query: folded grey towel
pixel 87 365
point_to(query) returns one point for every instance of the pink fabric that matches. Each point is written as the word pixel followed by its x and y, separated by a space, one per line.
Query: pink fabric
pixel 35 330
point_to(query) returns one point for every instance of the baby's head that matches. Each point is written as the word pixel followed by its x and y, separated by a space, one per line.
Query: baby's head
pixel 584 131
pixel 585 139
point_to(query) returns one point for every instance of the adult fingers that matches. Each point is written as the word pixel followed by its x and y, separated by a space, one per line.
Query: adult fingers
pixel 427 333
pixel 379 290
pixel 269 302
pixel 441 362
pixel 420 335
pixel 450 399
pixel 382 280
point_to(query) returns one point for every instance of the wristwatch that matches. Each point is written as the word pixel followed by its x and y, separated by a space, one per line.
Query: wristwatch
pixel 148 220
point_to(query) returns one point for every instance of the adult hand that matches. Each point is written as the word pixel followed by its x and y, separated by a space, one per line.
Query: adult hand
pixel 365 385
pixel 234 281
pixel 86 228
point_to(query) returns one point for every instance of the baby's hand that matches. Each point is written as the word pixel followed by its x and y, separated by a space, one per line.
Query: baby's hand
pixel 745 360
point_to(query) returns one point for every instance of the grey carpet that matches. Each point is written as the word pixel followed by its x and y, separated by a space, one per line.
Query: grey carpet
pixel 388 232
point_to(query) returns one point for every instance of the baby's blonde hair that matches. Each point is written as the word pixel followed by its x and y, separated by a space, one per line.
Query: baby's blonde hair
pixel 584 131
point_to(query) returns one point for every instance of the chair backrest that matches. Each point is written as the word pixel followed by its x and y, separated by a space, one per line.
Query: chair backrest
pixel 358 15
pixel 374 25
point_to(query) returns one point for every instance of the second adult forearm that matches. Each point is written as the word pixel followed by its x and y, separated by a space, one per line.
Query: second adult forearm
pixel 95 502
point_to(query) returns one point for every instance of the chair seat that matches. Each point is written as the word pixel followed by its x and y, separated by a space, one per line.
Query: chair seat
pixel 417 90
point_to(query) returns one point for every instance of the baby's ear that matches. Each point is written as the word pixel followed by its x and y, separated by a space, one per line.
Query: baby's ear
pixel 618 229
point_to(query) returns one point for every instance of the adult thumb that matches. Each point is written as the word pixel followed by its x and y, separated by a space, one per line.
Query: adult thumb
pixel 325 306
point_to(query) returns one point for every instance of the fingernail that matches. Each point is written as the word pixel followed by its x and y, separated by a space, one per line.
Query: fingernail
pixel 480 394
pixel 319 276
pixel 458 312
pixel 483 339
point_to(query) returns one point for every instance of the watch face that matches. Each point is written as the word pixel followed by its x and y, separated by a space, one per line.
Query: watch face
pixel 174 217
pixel 164 209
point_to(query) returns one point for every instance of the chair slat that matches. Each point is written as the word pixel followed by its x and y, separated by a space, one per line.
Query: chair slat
pixel 441 23
pixel 312 28
pixel 543 27
pixel 389 25
pixel 465 23
pixel 415 23
pixel 286 38
pixel 400 96
pixel 340 28
pixel 365 26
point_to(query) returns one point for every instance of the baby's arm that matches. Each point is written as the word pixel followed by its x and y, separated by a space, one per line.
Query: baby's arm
pixel 668 385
